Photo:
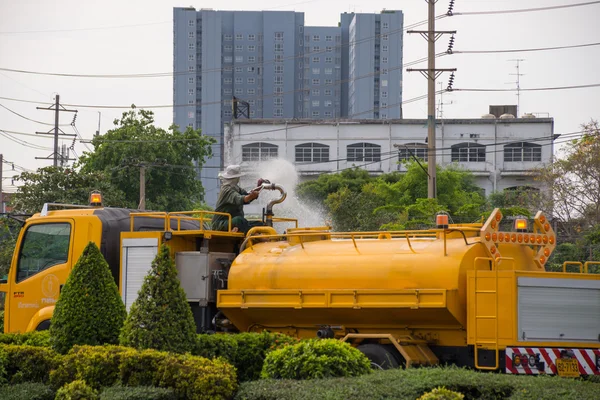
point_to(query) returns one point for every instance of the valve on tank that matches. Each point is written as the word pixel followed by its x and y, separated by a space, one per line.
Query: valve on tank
pixel 325 333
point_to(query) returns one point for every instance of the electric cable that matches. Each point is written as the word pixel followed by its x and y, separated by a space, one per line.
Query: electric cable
pixel 526 9
pixel 29 119
pixel 523 50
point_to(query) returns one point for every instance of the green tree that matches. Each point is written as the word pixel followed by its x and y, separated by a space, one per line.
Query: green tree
pixel 160 318
pixel 317 191
pixel 9 231
pixel 63 185
pixel 89 310
pixel 171 159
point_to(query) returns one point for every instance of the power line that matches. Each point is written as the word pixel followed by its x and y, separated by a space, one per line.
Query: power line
pixel 526 9
pixel 28 119
pixel 523 50
pixel 23 142
pixel 530 89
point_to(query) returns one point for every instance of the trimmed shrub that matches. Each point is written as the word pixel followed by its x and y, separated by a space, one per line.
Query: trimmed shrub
pixel 246 351
pixel 26 391
pixel 160 318
pixel 442 393
pixel 89 309
pixel 29 363
pixel 1 321
pixel 139 368
pixel 137 393
pixel 76 390
pixel 34 338
pixel 314 359
pixel 98 366
pixel 3 365
pixel 197 378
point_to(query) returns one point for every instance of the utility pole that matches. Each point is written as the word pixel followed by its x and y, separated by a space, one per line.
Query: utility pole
pixel 431 73
pixel 57 109
pixel 518 82
pixel 142 205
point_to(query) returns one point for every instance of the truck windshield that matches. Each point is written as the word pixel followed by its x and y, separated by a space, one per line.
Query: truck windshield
pixel 43 246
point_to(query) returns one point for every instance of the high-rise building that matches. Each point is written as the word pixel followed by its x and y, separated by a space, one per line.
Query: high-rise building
pixel 282 69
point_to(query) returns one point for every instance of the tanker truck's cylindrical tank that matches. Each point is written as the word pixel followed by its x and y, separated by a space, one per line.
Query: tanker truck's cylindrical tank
pixel 357 283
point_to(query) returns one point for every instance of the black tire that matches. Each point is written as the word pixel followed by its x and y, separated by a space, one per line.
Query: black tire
pixel 380 357
pixel 44 325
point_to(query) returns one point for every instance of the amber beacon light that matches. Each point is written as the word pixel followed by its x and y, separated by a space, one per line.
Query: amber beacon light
pixel 441 220
pixel 96 199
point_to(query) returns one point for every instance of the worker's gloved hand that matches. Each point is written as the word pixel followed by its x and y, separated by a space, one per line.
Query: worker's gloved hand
pixel 251 196
pixel 261 181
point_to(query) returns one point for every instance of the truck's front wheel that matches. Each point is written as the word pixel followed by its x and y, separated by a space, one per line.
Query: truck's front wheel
pixel 380 357
pixel 43 326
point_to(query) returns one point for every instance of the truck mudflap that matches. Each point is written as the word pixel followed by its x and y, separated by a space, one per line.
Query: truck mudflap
pixel 569 362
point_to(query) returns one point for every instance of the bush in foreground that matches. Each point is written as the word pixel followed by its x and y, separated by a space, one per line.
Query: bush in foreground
pixel 160 318
pixel 137 393
pixel 89 309
pixel 26 391
pixel 76 390
pixel 442 393
pixel 28 363
pixel 34 338
pixel 315 359
pixel 412 383
pixel 246 351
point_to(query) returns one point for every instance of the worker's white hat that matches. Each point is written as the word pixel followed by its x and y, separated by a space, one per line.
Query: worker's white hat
pixel 232 171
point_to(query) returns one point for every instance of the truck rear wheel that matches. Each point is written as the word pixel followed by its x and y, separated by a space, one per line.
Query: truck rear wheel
pixel 380 357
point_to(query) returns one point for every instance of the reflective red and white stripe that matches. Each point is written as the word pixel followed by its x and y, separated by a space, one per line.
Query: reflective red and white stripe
pixel 532 357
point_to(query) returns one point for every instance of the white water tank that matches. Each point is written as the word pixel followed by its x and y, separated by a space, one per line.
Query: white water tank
pixel 488 116
pixel 528 115
pixel 507 116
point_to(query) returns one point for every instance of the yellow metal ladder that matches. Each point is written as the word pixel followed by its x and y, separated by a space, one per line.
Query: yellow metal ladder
pixel 487 343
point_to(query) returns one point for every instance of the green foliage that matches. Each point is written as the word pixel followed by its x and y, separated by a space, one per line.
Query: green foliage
pixel 8 240
pixel 1 320
pixel 137 393
pixel 63 185
pixel 317 191
pixel 168 155
pixel 160 318
pixel 189 376
pixel 29 363
pixel 246 351
pixel 89 309
pixel 442 393
pixel 76 390
pixel 315 359
pixel 34 338
pixel 3 365
pixel 412 383
pixel 26 391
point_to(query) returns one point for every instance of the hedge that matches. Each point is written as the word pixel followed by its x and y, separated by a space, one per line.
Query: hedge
pixel 189 376
pixel 137 393
pixel 246 351
pixel 26 391
pixel 413 383
pixel 76 390
pixel 28 363
pixel 314 359
pixel 35 338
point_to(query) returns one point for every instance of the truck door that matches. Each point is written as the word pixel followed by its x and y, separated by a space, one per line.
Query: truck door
pixel 38 273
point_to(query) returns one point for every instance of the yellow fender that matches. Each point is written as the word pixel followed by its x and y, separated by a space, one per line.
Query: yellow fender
pixel 43 314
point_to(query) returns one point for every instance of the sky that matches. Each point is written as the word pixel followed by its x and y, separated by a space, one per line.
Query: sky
pixel 136 37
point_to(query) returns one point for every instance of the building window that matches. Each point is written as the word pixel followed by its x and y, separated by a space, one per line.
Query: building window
pixel 364 152
pixel 239 80
pixel 328 71
pixel 327 92
pixel 278 36
pixel 329 38
pixel 385 25
pixel 191 80
pixel 312 152
pixel 251 91
pixel 278 112
pixel 228 47
pixel 384 60
pixel 191 57
pixel 251 37
pixel 384 47
pixel 523 151
pixel 315 59
pixel 316 103
pixel 328 113
pixel 227 81
pixel 279 69
pixel 328 82
pixel 227 113
pixel 191 68
pixel 191 22
pixel 239 59
pixel 384 37
pixel 278 89
pixel 278 47
pixel 228 38
pixel 238 69
pixel 338 38
pixel 190 114
pixel 316 71
pixel 329 49
pixel 315 92
pixel 384 71
pixel 383 95
pixel 383 104
pixel 468 152
pixel 190 35
pixel 239 47
pixel 227 59
pixel 227 91
pixel 328 60
pixel 239 36
pixel 251 81
pixel 316 82
pixel 316 48
pixel 239 91
pixel 191 92
pixel 327 103
pixel 278 101
pixel 252 113
pixel 418 150
pixel 316 38
pixel 259 151
pixel 251 48
pixel 315 114
pixel 279 80
pixel 251 59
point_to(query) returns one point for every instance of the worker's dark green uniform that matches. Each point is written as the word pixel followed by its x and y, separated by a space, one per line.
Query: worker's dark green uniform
pixel 231 201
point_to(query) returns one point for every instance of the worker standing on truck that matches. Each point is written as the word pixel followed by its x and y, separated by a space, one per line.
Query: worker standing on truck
pixel 232 199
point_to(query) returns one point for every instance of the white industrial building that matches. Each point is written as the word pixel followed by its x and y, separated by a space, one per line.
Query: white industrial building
pixel 501 152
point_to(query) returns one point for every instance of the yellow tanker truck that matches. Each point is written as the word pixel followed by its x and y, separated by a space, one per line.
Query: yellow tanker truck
pixel 472 295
